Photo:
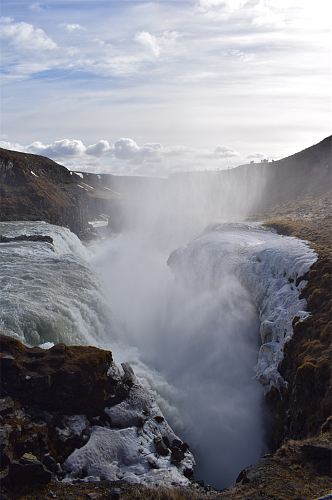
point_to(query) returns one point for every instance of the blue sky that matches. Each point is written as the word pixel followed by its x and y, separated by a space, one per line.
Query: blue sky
pixel 161 86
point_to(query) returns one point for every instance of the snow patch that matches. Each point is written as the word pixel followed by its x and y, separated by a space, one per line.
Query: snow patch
pixel 47 345
pixel 34 173
pixel 127 451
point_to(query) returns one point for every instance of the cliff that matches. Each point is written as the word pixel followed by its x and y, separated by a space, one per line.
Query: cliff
pixel 69 412
pixel 36 188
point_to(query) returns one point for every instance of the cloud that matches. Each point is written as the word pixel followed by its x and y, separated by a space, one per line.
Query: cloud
pixel 12 146
pixel 101 148
pixel 256 156
pixel 59 149
pixel 71 28
pixel 225 152
pixel 128 156
pixel 145 38
pixel 36 6
pixel 229 5
pixel 25 36
pixel 157 44
pixel 128 149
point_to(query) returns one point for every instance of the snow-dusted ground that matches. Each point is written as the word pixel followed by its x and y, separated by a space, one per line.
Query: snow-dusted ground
pixel 270 266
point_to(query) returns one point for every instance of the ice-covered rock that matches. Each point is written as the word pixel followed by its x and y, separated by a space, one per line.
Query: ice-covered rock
pixel 269 265
pixel 130 448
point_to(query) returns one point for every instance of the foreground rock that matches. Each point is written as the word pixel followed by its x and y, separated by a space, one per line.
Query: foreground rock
pixel 70 414
pixel 75 426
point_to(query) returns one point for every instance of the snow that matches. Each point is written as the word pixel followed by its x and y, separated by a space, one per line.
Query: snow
pixel 126 451
pixel 34 173
pixel 46 345
pixel 80 175
pixel 98 223
pixel 86 186
pixel 270 266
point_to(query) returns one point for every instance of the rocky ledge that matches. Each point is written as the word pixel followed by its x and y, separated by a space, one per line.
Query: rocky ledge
pixel 74 425
pixel 71 415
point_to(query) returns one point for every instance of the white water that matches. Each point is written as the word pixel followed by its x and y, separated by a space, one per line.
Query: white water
pixel 48 293
pixel 196 322
pixel 191 328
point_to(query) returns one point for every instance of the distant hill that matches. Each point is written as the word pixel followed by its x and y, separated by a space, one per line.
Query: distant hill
pixel 307 173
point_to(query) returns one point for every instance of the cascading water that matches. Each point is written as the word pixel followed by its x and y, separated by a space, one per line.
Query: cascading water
pixel 48 292
pixel 189 326
pixel 203 340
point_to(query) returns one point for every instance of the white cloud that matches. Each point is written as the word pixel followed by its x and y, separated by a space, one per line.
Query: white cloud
pixel 128 149
pixel 230 5
pixel 99 149
pixel 59 149
pixel 36 6
pixel 225 152
pixel 25 36
pixel 256 156
pixel 145 38
pixel 71 28
pixel 157 44
pixel 127 156
pixel 12 146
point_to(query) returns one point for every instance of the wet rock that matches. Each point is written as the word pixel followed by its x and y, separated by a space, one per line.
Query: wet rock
pixel 178 450
pixel 72 380
pixel 29 471
pixel 243 477
pixel 115 494
pixel 320 457
pixel 50 463
pixel 6 405
pixel 25 237
pixel 161 448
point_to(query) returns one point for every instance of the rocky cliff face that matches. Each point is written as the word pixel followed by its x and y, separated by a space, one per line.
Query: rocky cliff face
pixel 304 408
pixel 71 412
pixel 36 188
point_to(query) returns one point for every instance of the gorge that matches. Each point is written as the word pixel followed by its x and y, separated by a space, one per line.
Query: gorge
pixel 189 292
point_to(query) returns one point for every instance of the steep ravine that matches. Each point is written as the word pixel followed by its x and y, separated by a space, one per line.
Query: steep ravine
pixel 298 468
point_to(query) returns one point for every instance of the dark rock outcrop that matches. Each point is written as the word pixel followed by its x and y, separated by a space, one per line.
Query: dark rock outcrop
pixel 41 394
pixel 69 379
pixel 36 188
pixel 52 403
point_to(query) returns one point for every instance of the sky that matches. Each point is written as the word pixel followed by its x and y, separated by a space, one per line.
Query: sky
pixel 154 87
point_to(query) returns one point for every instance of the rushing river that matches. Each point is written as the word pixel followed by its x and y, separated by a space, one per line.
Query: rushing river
pixel 191 323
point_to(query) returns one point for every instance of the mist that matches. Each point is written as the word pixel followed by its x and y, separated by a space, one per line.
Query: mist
pixel 191 337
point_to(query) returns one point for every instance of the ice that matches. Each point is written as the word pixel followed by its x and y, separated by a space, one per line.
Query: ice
pixel 270 267
pixel 46 345
pixel 127 451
